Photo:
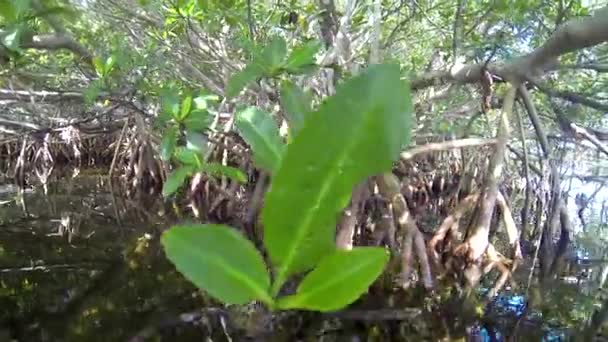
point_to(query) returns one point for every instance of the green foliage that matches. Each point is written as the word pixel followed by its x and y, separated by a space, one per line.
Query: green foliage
pixel 103 67
pixel 323 289
pixel 273 55
pixel 242 78
pixel 183 140
pixel 353 135
pixel 220 260
pixel 13 10
pixel 296 104
pixel 261 132
pixel 273 61
pixel 92 92
pixel 176 179
pixel 302 57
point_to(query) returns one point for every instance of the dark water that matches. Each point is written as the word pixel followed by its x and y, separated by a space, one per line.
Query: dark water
pixel 79 261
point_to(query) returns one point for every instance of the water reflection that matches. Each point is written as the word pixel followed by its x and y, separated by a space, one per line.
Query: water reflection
pixel 81 261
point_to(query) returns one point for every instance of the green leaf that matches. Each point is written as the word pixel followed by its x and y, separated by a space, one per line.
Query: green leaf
pixel 219 170
pixel 110 62
pixel 302 56
pixel 338 280
pixel 274 54
pixel 8 10
pixel 200 102
pixel 261 132
pixel 198 120
pixel 219 260
pixel 355 134
pixel 99 66
pixel 188 156
pixel 185 108
pixel 170 102
pixel 296 104
pixel 241 79
pixel 196 141
pixel 176 179
pixel 167 145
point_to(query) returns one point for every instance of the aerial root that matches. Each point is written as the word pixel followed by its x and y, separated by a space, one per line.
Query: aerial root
pixel 495 259
pixel 450 225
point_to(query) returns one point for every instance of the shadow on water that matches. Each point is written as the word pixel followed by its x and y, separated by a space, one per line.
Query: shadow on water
pixel 82 262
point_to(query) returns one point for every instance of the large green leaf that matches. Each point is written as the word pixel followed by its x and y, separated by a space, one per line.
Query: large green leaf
pixel 302 57
pixel 339 279
pixel 219 260
pixel 176 179
pixel 241 79
pixel 188 156
pixel 296 104
pixel 355 134
pixel 261 132
pixel 185 107
pixel 273 54
pixel 198 120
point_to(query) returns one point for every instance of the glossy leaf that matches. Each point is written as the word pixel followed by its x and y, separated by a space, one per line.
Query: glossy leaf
pixel 339 279
pixel 219 170
pixel 198 120
pixel 188 156
pixel 110 62
pixel 176 179
pixel 261 132
pixel 302 57
pixel 355 134
pixel 167 145
pixel 185 107
pixel 296 104
pixel 241 79
pixel 220 261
